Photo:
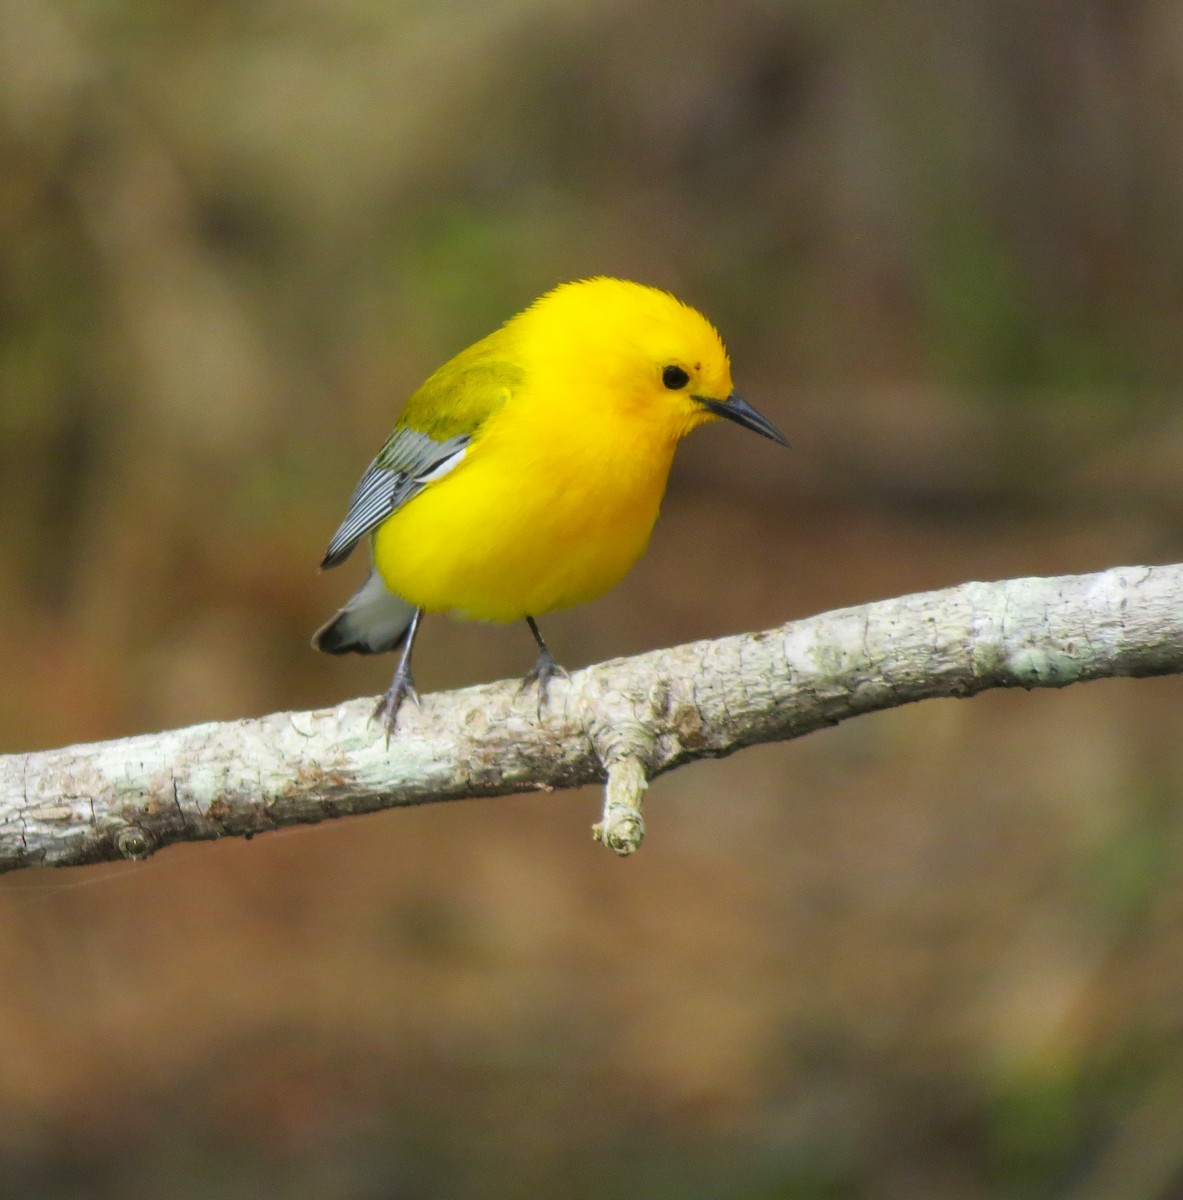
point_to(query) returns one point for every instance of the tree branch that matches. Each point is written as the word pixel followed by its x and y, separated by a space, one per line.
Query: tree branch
pixel 623 721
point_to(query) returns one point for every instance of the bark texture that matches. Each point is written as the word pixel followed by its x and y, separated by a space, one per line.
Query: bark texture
pixel 622 721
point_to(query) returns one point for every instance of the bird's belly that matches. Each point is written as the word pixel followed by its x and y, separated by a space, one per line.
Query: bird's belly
pixel 497 546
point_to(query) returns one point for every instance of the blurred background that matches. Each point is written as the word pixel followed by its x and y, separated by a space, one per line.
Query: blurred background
pixel 935 953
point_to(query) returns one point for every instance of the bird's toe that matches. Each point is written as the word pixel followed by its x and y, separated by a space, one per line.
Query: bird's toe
pixel 540 676
pixel 387 709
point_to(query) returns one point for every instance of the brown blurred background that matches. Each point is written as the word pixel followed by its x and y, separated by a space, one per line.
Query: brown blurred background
pixel 936 953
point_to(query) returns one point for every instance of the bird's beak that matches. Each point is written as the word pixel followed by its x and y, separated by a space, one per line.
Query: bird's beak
pixel 736 408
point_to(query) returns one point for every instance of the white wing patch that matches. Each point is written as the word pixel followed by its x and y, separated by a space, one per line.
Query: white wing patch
pixel 443 467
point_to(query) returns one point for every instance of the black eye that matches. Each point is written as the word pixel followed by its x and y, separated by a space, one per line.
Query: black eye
pixel 674 378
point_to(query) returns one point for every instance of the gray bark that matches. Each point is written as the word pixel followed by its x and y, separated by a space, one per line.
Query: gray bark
pixel 622 722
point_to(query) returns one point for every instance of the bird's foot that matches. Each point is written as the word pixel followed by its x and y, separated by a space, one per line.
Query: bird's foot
pixel 402 688
pixel 540 675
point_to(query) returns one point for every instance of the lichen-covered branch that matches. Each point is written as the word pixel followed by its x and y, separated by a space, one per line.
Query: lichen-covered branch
pixel 623 721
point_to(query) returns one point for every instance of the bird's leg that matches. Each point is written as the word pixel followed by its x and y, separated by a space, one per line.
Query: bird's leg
pixel 402 686
pixel 544 670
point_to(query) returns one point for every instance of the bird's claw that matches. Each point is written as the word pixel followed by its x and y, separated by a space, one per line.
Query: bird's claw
pixel 386 711
pixel 540 675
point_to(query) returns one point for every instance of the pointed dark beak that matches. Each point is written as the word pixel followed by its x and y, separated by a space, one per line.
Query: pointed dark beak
pixel 736 408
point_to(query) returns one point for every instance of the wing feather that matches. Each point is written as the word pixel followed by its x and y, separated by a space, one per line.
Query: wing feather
pixel 431 438
pixel 386 487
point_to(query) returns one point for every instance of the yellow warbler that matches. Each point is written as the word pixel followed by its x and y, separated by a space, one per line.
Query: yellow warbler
pixel 526 474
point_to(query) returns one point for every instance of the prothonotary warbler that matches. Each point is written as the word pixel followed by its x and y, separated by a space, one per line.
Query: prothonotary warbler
pixel 526 474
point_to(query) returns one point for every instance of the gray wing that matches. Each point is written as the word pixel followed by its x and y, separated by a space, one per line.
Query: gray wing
pixel 404 466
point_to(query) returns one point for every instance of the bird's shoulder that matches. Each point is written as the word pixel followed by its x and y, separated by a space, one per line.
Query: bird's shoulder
pixel 431 438
pixel 459 397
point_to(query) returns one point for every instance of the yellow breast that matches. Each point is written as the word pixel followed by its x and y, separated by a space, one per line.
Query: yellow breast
pixel 544 513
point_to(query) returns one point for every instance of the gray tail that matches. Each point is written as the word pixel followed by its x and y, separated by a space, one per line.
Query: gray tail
pixel 373 621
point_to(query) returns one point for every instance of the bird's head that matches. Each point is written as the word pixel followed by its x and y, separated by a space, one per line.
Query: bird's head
pixel 632 349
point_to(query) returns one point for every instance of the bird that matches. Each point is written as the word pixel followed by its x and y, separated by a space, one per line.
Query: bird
pixel 525 475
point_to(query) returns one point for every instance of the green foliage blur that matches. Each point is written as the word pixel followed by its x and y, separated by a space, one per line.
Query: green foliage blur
pixel 934 954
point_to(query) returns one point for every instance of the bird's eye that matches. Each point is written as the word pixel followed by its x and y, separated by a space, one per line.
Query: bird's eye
pixel 674 378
